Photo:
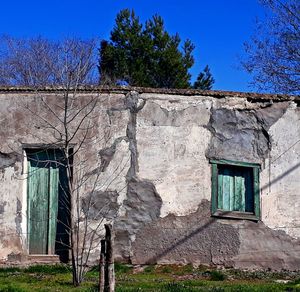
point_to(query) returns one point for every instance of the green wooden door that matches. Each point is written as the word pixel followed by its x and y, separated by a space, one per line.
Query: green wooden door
pixel 43 187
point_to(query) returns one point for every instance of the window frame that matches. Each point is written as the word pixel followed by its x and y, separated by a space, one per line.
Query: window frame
pixel 255 215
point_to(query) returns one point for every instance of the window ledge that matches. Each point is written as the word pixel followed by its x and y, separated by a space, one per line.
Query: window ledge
pixel 235 215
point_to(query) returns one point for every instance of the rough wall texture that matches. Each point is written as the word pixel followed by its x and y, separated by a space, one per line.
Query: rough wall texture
pixel 196 238
pixel 160 144
pixel 242 134
pixel 280 175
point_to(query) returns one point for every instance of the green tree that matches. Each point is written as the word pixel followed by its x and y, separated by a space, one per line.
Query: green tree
pixel 204 80
pixel 144 55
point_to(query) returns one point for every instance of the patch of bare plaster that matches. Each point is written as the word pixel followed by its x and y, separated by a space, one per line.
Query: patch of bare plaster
pixel 18 218
pixel 107 154
pixel 264 248
pixel 196 238
pixel 163 113
pixel 134 104
pixel 173 144
pixel 10 243
pixel 2 207
pixel 143 203
pixel 7 159
pixel 242 135
pixel 101 204
pixel 141 206
pixel 280 179
pixel 199 238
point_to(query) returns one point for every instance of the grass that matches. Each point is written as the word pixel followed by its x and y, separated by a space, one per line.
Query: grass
pixel 167 278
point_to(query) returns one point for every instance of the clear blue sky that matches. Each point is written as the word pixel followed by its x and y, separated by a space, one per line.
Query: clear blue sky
pixel 218 28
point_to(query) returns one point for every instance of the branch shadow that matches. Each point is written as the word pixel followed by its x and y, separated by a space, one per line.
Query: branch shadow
pixel 280 177
pixel 154 259
pixel 160 255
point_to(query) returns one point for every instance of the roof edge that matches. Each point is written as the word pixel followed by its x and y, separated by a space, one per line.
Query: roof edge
pixel 171 91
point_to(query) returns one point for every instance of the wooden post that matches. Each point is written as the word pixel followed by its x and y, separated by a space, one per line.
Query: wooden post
pixel 102 266
pixel 109 264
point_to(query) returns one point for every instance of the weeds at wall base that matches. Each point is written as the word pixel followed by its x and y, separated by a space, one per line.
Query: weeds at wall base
pixel 163 278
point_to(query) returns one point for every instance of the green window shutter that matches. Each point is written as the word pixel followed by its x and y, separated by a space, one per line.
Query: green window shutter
pixel 53 207
pixel 214 187
pixel 235 189
pixel 220 190
pixel 239 191
pixel 249 190
pixel 256 192
pixel 227 189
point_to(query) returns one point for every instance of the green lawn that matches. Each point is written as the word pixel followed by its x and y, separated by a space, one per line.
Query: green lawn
pixel 150 278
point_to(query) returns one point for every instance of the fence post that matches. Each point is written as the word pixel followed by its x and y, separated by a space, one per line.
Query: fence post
pixel 102 266
pixel 109 261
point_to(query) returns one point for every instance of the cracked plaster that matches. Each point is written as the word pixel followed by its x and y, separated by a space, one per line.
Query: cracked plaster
pixel 162 144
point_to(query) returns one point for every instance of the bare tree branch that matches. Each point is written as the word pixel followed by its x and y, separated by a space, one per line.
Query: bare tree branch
pixel 273 55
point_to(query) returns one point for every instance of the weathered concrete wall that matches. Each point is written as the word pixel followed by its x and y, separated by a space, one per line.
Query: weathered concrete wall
pixel 161 143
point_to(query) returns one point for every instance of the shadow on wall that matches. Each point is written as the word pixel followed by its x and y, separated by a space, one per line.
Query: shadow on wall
pixel 215 242
pixel 194 238
pixel 181 241
pixel 280 177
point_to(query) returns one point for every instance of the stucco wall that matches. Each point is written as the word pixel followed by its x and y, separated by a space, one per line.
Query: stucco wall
pixel 162 143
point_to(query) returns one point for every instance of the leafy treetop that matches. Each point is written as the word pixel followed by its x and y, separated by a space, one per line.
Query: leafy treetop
pixel 144 55
pixel 204 80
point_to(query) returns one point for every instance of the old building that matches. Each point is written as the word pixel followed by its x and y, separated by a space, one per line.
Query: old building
pixel 202 177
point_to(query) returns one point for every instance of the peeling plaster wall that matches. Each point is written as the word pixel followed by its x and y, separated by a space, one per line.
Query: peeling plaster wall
pixel 11 188
pixel 173 143
pixel 11 237
pixel 280 176
pixel 176 138
pixel 20 129
pixel 160 201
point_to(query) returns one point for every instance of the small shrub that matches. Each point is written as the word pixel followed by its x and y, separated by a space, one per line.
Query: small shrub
pixel 183 270
pixel 214 275
pixel 149 269
pixel 166 270
pixel 122 268
pixel 188 268
pixel 217 276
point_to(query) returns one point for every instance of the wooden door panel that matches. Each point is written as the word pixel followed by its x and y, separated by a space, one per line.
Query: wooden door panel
pixel 38 209
pixel 53 206
pixel 43 182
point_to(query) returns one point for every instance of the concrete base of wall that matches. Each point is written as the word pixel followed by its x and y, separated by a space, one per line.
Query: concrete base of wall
pixel 21 259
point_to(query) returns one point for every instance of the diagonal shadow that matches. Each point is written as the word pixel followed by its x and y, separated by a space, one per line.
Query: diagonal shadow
pixel 181 241
pixel 280 177
pixel 155 258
